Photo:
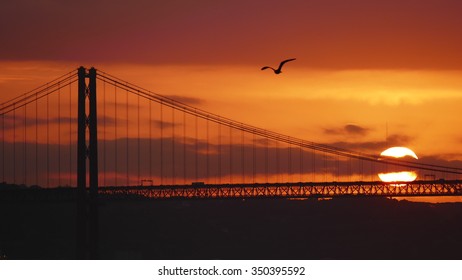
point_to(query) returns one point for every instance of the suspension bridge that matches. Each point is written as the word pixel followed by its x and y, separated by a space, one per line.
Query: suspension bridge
pixel 90 132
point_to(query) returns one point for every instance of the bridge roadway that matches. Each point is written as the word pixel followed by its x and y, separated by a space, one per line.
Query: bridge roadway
pixel 289 190
pixel 258 190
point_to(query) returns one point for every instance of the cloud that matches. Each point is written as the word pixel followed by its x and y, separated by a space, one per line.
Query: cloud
pixel 355 129
pixel 398 140
pixel 349 129
pixel 453 160
pixel 374 146
pixel 192 101
pixel 9 122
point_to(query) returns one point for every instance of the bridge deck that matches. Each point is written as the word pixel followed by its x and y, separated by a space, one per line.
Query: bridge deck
pixel 291 190
pixel 259 190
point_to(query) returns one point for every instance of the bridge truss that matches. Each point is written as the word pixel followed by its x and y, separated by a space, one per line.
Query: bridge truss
pixel 290 190
pixel 301 190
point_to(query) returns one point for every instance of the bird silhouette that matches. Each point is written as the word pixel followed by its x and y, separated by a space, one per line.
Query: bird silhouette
pixel 278 71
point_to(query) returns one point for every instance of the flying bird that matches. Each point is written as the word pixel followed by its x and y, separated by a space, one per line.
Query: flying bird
pixel 278 71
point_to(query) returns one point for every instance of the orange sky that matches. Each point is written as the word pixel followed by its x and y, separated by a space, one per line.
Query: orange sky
pixel 360 64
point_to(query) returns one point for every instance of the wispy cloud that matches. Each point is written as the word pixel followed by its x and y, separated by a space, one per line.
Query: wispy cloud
pixel 374 146
pixel 187 100
pixel 349 129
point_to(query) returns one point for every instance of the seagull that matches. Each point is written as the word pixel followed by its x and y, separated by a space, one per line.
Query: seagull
pixel 278 71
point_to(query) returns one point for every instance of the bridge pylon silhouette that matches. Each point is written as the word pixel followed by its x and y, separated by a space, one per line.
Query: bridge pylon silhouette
pixel 87 202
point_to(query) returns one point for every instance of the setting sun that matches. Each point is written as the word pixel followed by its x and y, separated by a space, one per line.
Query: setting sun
pixel 400 176
pixel 399 152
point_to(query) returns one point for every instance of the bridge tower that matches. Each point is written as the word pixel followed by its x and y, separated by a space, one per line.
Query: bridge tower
pixel 87 207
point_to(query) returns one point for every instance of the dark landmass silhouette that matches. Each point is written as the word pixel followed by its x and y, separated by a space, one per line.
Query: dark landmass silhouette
pixel 342 228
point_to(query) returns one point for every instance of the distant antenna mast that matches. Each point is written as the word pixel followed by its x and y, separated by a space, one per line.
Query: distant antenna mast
pixel 386 133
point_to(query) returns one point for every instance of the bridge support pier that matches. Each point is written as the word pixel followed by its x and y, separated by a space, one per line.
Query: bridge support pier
pixel 87 204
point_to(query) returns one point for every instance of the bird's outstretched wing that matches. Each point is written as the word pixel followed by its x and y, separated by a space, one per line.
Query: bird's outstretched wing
pixel 266 67
pixel 283 62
